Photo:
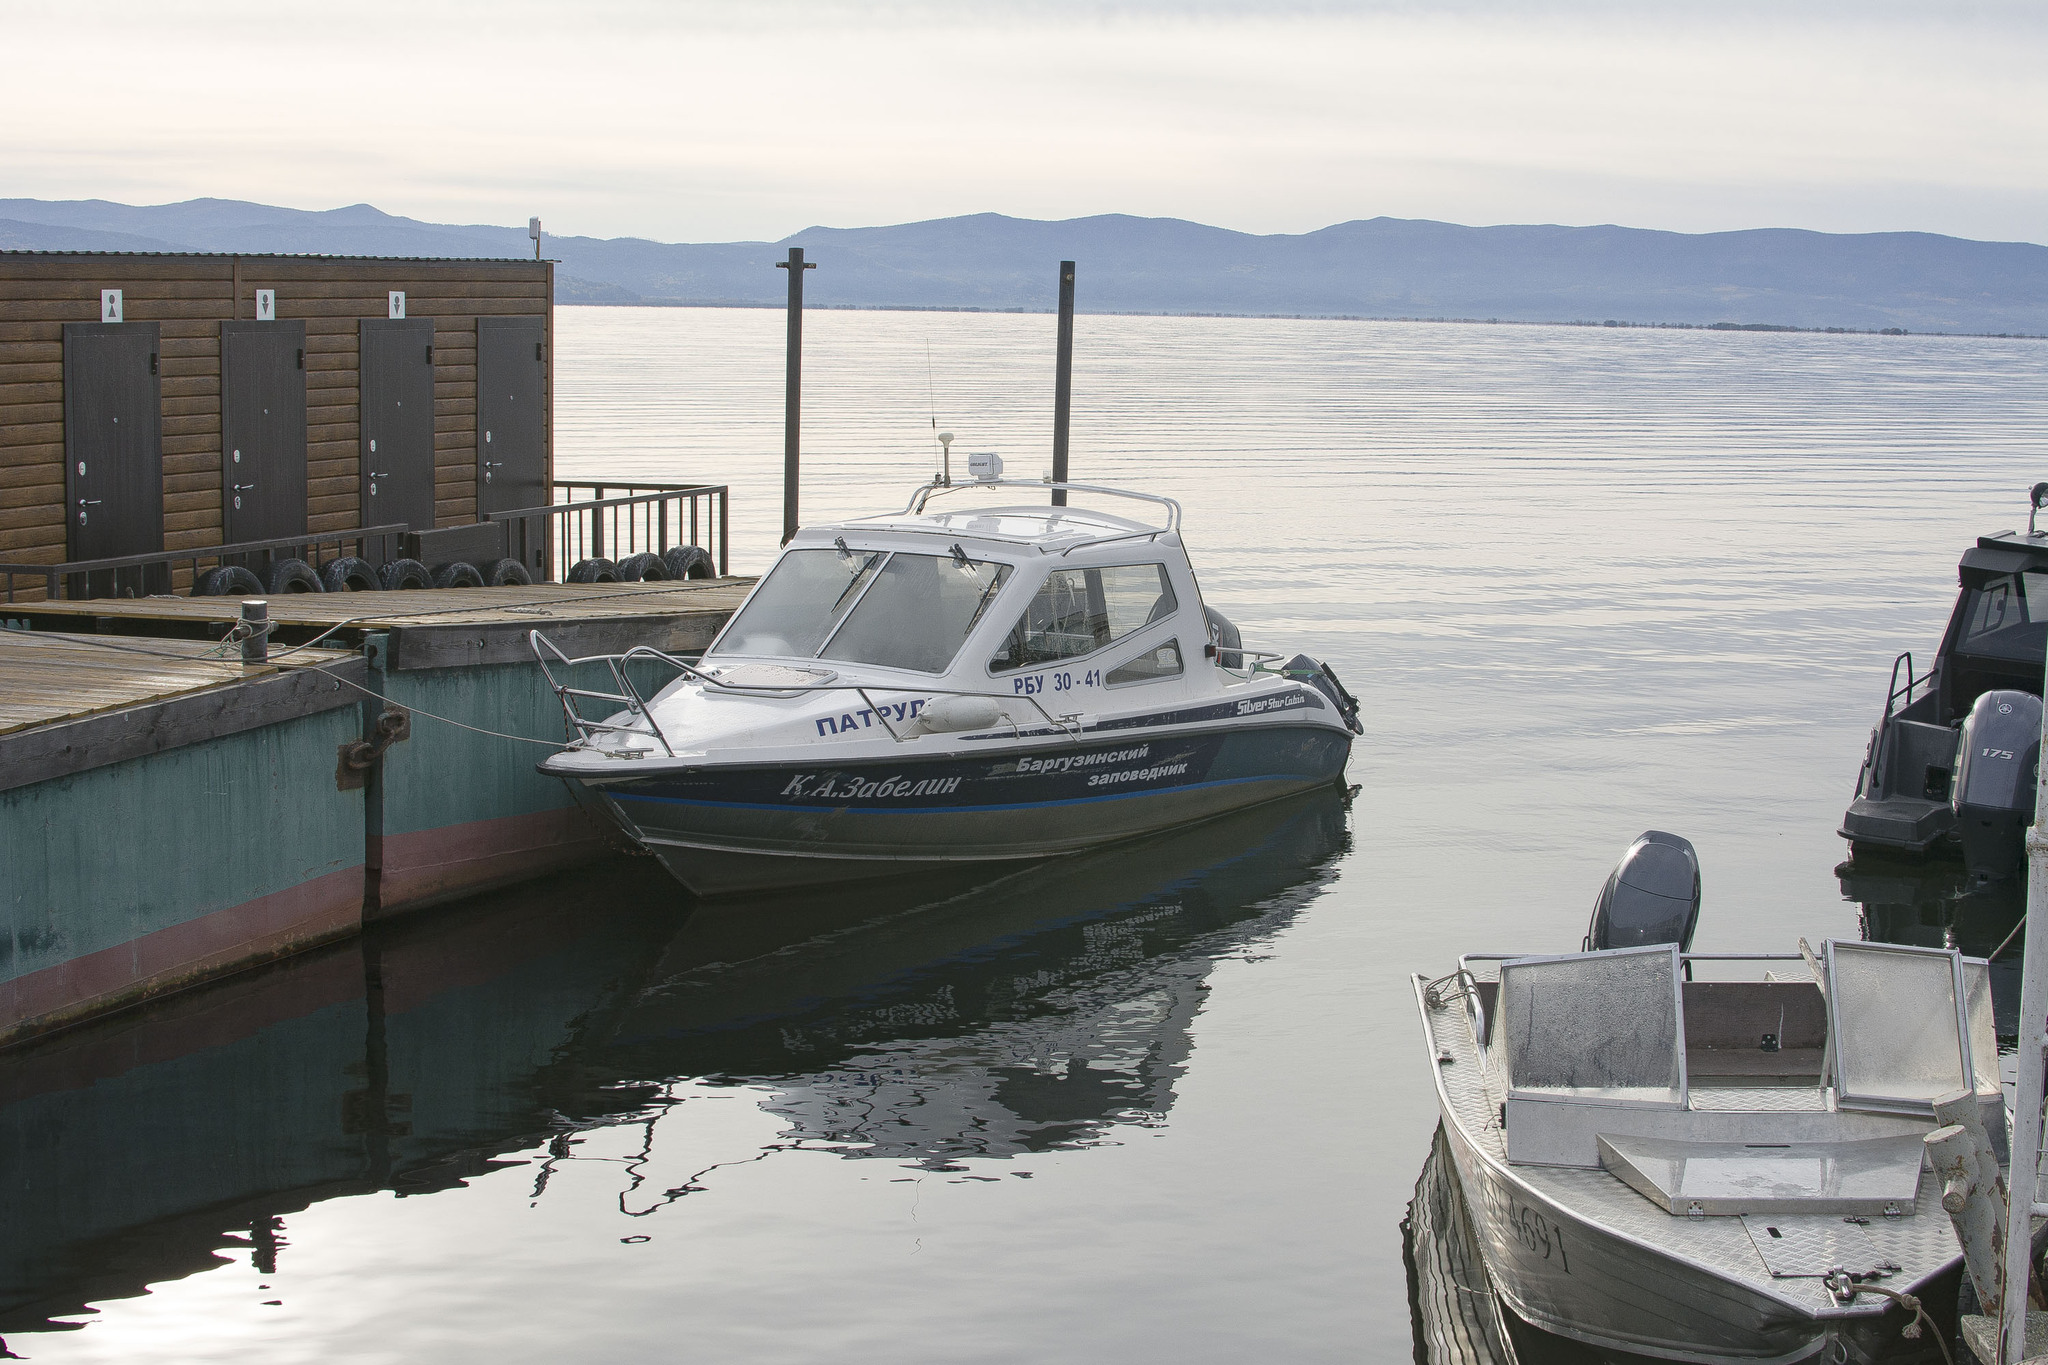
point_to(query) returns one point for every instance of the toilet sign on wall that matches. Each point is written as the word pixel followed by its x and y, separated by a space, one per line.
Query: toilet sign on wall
pixel 266 305
pixel 110 305
pixel 397 304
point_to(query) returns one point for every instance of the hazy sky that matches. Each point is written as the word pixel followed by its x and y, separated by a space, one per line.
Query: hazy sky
pixel 752 119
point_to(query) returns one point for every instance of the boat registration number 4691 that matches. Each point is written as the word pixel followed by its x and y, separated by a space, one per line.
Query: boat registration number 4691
pixel 1059 682
pixel 1537 1234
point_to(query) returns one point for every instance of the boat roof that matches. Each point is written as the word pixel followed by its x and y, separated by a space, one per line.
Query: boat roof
pixel 2003 553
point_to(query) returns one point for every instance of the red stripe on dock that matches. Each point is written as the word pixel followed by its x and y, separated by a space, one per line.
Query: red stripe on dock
pixel 433 865
pixel 180 955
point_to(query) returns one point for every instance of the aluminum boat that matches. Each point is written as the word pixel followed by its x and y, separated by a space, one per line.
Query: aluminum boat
pixel 1712 1157
pixel 962 682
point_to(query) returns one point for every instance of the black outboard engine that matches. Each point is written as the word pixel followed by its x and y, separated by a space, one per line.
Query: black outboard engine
pixel 1323 679
pixel 1993 793
pixel 1652 896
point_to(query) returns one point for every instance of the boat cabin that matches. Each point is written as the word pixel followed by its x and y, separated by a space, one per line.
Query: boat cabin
pixel 1808 1091
pixel 1062 605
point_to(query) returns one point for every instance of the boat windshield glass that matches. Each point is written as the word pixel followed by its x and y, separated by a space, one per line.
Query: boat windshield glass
pixel 918 612
pixel 802 598
pixel 2007 618
pixel 862 606
pixel 1078 611
pixel 1595 1026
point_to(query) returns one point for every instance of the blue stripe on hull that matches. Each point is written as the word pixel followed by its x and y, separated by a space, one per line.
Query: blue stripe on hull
pixel 958 809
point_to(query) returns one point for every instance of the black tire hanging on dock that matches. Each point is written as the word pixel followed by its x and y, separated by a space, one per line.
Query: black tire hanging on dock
pixel 457 575
pixel 507 573
pixel 642 568
pixel 404 573
pixel 594 571
pixel 349 574
pixel 689 561
pixel 293 575
pixel 229 580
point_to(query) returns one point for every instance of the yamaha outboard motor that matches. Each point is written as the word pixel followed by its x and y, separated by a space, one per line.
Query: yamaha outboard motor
pixel 1993 795
pixel 1652 896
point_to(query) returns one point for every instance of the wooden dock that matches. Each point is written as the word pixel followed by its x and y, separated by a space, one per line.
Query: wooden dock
pixel 449 626
pixel 47 677
pixel 168 814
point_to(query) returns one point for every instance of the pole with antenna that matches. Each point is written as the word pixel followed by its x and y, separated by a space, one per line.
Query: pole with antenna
pixel 1063 383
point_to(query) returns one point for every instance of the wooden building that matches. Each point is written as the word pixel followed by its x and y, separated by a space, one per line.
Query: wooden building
pixel 172 402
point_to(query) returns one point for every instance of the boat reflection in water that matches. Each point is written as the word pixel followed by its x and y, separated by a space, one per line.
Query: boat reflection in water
pixel 1933 903
pixel 919 1021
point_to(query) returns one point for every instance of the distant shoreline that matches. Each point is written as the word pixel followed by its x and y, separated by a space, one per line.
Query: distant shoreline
pixel 1299 317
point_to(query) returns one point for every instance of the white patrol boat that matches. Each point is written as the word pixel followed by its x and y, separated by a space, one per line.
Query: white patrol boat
pixel 947 686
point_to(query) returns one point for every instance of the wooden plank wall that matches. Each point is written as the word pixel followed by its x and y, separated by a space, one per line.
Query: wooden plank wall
pixel 190 296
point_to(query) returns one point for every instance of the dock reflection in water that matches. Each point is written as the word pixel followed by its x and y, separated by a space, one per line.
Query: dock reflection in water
pixel 914 1022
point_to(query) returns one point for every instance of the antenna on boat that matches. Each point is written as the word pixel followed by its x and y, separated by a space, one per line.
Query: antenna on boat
pixel 946 445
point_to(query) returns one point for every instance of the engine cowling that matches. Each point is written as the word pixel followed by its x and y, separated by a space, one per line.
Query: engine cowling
pixel 1652 896
pixel 1998 754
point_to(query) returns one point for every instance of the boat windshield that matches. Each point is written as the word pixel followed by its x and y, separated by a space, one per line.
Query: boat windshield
pixel 908 611
pixel 2007 618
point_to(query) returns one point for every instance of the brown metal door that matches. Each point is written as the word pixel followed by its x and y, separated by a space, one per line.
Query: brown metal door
pixel 113 448
pixel 263 430
pixel 397 442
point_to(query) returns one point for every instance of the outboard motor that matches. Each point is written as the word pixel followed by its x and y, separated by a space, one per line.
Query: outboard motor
pixel 1652 896
pixel 1993 793
pixel 1323 679
pixel 1225 637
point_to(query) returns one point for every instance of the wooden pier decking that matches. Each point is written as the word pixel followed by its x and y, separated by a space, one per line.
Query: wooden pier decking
pixel 46 677
pixel 435 628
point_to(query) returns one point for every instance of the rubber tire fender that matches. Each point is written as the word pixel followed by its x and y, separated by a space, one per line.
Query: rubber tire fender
pixel 507 573
pixel 642 568
pixel 229 580
pixel 293 575
pixel 348 574
pixel 688 561
pixel 594 571
pixel 457 574
pixel 403 574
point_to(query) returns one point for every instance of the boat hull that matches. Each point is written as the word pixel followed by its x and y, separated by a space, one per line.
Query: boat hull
pixel 1577 1279
pixel 728 829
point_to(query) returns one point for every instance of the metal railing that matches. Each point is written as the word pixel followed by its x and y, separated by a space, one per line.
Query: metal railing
pixel 618 519
pixel 157 571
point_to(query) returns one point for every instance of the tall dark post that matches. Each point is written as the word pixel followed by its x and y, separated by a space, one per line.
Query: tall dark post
pixel 792 390
pixel 1063 383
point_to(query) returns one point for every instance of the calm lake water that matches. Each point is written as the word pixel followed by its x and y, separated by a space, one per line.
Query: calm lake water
pixel 1161 1104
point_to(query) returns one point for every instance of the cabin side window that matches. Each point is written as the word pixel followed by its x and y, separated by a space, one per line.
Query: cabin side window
pixel 1153 664
pixel 1078 611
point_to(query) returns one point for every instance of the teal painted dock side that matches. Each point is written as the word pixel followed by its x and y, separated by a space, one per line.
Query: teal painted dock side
pixel 454 811
pixel 136 877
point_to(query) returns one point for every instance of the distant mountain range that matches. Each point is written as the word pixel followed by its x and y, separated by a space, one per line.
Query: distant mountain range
pixel 1378 267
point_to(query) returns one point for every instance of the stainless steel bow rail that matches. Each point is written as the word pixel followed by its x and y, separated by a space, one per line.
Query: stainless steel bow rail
pixel 588 730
